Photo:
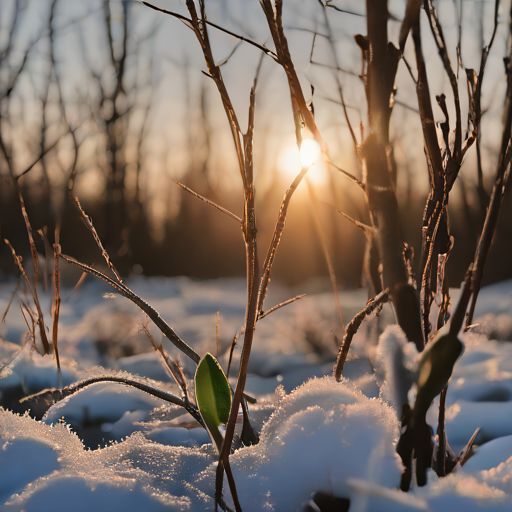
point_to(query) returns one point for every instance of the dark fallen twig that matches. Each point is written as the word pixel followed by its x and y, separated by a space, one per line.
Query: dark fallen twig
pixel 42 401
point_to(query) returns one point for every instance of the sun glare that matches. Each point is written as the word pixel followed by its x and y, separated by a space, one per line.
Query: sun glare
pixel 309 152
pixel 290 161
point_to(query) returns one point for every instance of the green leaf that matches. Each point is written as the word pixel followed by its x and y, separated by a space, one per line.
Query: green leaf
pixel 213 393
pixel 435 368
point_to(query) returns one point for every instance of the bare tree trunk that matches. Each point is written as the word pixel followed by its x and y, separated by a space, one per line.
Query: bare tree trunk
pixel 381 58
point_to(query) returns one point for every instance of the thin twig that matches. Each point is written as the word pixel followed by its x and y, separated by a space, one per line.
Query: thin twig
pixel 441 432
pixel 500 185
pixel 38 159
pixel 164 327
pixel 56 308
pixel 50 396
pixel 351 177
pixel 174 369
pixel 263 314
pixel 437 32
pixel 276 238
pixel 88 223
pixel 10 302
pixel 39 321
pixel 365 228
pixel 330 39
pixel 208 202
pixel 268 52
pixel 353 327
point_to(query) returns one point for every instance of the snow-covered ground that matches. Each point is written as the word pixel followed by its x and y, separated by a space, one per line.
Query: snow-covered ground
pixel 315 434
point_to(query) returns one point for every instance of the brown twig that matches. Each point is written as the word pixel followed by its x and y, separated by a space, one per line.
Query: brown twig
pixel 165 328
pixel 350 176
pixel 49 396
pixel 441 432
pixel 89 225
pixel 39 320
pixel 500 185
pixel 353 327
pixel 56 307
pixel 438 34
pixel 263 314
pixel 367 230
pixel 173 368
pixel 208 202
pixel 190 23
pixel 9 304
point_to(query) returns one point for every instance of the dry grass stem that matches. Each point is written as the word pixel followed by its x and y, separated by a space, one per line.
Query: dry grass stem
pixel 211 203
pixel 88 223
pixel 353 327
pixel 56 308
pixel 365 228
pixel 174 369
pixel 9 304
pixel 263 314
pixel 350 176
pixel 35 262
pixel 144 306
pixel 39 321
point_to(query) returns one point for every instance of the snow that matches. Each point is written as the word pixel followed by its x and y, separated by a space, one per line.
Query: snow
pixel 315 434
pixel 319 436
pixel 100 403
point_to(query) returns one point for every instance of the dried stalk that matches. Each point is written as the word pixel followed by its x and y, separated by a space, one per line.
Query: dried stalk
pixel 89 225
pixel 165 328
pixel 380 63
pixel 353 327
pixel 500 185
pixel 39 321
pixel 210 203
pixel 56 308
pixel 174 368
pixel 441 432
pixel 438 34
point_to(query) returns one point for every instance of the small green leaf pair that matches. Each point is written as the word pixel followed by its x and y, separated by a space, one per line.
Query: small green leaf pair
pixel 213 396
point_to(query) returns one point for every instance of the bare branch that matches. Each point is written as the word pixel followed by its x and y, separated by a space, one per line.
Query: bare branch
pixel 437 31
pixel 144 306
pixel 350 176
pixel 353 327
pixel 208 202
pixel 263 314
pixel 265 50
pixel 89 225
pixel 365 228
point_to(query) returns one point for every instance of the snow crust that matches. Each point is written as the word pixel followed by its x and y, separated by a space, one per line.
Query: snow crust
pixel 315 434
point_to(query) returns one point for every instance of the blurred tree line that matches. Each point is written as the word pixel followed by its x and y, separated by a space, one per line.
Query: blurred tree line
pixel 98 99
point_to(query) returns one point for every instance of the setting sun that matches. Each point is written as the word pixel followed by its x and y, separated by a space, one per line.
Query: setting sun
pixel 290 161
pixel 309 152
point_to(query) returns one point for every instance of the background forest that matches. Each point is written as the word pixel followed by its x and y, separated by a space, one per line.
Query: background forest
pixel 105 100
